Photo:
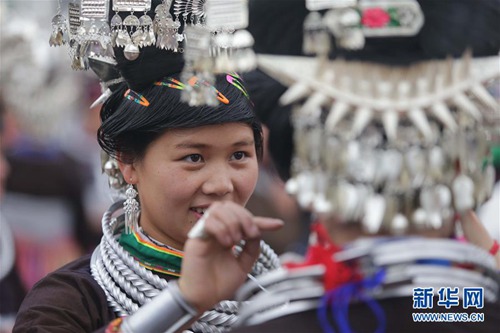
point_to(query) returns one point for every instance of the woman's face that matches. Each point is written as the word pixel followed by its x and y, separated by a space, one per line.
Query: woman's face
pixel 185 170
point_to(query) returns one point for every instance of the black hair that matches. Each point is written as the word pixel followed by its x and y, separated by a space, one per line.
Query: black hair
pixel 128 128
pixel 265 93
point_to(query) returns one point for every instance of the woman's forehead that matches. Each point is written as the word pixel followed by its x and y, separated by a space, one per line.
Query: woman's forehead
pixel 227 133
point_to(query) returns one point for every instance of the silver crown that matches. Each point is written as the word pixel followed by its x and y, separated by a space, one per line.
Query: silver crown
pixel 91 33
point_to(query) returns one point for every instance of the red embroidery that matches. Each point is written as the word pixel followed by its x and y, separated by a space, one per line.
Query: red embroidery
pixel 375 18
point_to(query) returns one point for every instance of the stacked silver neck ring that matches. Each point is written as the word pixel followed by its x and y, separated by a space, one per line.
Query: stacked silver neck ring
pixel 128 285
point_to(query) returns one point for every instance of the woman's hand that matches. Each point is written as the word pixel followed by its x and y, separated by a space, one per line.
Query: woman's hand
pixel 476 233
pixel 210 271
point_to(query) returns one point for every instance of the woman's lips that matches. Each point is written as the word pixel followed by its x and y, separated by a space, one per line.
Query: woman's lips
pixel 198 212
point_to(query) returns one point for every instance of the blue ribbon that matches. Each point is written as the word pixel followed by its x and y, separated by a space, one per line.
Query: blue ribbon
pixel 340 298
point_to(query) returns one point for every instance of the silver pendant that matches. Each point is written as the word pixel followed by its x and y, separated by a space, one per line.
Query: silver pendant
pixel 131 52
pixel 59 34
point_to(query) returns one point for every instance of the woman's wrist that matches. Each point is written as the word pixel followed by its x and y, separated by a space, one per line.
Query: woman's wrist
pixel 200 304
pixel 167 312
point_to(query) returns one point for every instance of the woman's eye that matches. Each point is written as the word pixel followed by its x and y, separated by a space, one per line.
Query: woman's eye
pixel 193 158
pixel 239 155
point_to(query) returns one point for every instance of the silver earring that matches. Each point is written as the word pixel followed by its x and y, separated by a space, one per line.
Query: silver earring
pixel 131 208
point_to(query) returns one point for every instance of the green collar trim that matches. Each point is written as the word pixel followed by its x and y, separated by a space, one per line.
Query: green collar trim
pixel 152 256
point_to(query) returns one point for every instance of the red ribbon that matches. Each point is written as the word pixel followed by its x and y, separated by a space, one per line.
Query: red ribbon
pixel 321 252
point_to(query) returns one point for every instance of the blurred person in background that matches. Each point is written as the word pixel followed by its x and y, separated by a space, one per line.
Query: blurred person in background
pixel 271 199
pixel 12 291
pixel 44 194
pixel 273 107
pixel 80 143
pixel 489 212
pixel 276 117
pixel 392 136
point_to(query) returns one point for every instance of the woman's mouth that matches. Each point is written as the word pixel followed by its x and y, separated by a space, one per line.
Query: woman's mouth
pixel 199 211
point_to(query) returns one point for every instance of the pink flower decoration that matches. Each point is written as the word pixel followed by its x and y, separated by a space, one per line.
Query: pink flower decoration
pixel 375 18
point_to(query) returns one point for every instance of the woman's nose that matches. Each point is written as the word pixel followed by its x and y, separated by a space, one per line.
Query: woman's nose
pixel 219 182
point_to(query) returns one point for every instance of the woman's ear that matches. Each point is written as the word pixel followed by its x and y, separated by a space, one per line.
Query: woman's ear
pixel 128 171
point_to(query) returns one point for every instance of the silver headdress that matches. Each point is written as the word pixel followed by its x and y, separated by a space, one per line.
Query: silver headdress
pixel 393 148
pixel 210 33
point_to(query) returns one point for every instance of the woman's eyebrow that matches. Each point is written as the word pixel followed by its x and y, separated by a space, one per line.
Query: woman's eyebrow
pixel 244 143
pixel 188 145
pixel 200 145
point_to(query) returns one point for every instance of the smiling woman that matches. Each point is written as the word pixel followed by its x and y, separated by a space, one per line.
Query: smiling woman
pixel 184 171
pixel 179 163
pixel 183 162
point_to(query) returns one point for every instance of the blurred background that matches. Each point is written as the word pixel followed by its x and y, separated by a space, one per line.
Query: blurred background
pixel 52 193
